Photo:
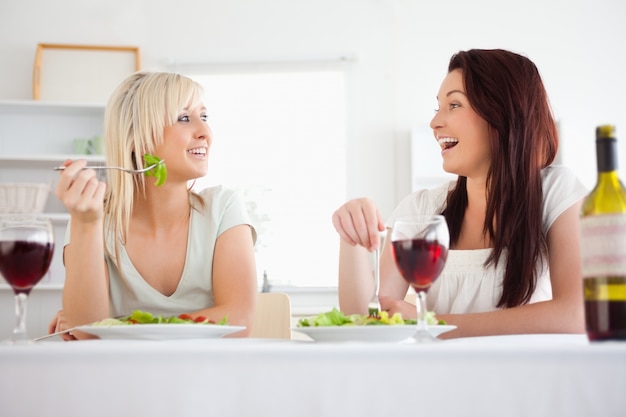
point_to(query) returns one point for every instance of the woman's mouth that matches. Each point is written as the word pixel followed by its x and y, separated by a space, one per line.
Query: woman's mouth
pixel 199 152
pixel 447 142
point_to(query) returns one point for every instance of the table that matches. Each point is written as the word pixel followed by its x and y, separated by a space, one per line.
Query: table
pixel 532 375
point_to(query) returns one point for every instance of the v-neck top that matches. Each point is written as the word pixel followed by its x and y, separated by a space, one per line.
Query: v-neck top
pixel 465 285
pixel 223 209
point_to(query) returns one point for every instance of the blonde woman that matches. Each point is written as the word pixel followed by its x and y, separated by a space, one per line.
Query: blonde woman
pixel 165 249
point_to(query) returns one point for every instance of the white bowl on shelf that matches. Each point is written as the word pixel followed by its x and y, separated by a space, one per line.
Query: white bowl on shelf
pixel 23 197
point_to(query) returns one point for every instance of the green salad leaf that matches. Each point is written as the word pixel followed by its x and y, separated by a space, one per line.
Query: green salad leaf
pixel 159 171
pixel 331 318
pixel 142 317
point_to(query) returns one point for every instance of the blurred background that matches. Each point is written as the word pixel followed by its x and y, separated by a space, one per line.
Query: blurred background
pixel 316 102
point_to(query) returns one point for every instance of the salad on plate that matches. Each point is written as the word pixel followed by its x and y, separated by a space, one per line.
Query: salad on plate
pixel 335 326
pixel 337 318
pixel 147 326
pixel 144 317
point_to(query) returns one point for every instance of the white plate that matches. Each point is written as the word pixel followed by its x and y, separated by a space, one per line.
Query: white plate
pixel 374 333
pixel 160 331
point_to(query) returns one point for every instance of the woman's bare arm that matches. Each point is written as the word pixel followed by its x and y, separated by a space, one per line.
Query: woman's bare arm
pixel 86 289
pixel 564 313
pixel 234 278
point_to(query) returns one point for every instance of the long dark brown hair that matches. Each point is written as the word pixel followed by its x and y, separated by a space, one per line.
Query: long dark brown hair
pixel 506 90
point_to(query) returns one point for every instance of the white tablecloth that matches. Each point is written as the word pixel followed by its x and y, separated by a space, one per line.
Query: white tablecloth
pixel 535 375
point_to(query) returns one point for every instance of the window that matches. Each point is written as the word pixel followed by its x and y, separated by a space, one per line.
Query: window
pixel 279 137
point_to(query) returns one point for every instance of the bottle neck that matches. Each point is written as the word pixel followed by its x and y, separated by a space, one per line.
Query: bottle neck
pixel 606 155
pixel 609 179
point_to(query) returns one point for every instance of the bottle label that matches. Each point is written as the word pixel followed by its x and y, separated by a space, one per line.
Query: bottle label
pixel 603 245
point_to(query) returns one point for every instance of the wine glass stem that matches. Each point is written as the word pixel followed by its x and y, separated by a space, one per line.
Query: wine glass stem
pixel 422 326
pixel 19 333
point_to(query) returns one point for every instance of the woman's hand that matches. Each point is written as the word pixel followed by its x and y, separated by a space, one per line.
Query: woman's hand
pixel 81 192
pixel 359 222
pixel 393 305
pixel 59 324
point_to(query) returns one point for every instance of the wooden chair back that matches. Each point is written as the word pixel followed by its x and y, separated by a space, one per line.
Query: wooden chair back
pixel 272 318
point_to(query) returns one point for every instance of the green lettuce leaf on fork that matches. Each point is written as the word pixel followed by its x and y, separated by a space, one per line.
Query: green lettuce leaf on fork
pixel 159 172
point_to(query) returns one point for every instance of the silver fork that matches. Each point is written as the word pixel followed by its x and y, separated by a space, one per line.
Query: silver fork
pixel 54 334
pixel 61 332
pixel 373 306
pixel 130 171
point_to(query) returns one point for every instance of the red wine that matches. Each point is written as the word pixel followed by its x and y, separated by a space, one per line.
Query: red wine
pixel 23 263
pixel 605 308
pixel 420 261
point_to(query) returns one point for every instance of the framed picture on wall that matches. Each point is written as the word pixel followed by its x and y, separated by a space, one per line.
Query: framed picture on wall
pixel 81 73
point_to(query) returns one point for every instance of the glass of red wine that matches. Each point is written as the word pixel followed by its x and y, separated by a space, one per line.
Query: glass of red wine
pixel 26 247
pixel 420 247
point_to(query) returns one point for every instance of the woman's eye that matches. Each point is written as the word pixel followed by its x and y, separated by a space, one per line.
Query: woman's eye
pixel 454 105
pixel 183 118
pixel 204 118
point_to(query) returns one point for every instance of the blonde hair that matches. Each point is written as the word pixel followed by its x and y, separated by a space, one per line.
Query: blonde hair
pixel 137 113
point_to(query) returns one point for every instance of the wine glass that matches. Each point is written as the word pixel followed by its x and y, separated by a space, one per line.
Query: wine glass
pixel 26 248
pixel 420 247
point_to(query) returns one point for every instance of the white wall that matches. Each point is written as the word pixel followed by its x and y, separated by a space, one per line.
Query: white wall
pixel 401 50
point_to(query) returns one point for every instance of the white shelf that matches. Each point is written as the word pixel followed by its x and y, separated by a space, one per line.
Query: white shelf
pixel 35 137
pixel 58 217
pixel 51 107
pixel 45 160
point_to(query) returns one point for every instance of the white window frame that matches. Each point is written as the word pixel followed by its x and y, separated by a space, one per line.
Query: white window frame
pixel 306 297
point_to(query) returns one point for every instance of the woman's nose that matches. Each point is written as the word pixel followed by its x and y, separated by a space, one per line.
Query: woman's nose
pixel 436 121
pixel 203 131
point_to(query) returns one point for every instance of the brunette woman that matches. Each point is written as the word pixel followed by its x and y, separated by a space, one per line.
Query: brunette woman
pixel 514 263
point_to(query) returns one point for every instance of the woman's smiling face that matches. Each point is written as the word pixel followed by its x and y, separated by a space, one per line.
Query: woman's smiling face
pixel 186 144
pixel 462 134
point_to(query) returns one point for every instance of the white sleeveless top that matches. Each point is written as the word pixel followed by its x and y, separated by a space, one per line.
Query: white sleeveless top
pixel 465 284
pixel 223 210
